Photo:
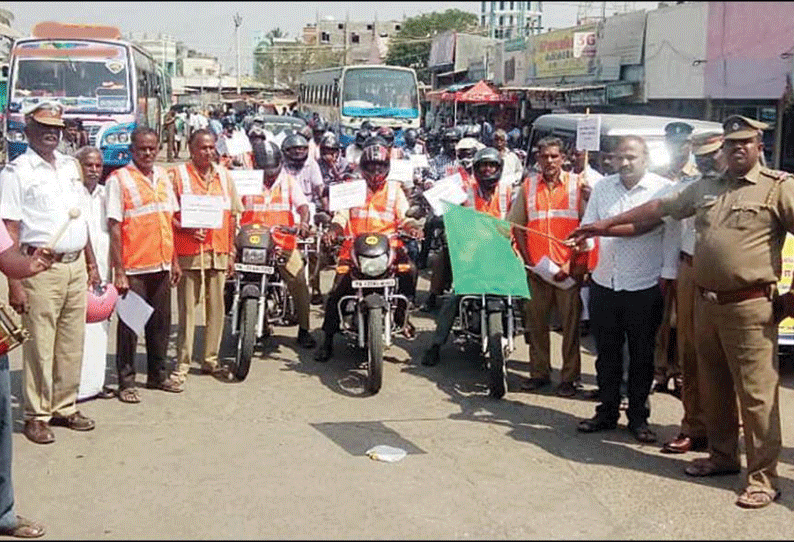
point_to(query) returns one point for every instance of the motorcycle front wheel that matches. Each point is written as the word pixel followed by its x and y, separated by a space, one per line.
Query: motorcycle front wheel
pixel 246 339
pixel 374 350
pixel 496 353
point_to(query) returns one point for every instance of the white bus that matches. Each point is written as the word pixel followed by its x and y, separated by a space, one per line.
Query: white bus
pixel 347 96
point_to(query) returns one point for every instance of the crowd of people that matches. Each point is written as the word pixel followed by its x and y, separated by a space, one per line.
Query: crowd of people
pixel 681 264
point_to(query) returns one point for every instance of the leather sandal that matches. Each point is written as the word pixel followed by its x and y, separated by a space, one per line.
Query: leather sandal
pixel 706 467
pixel 757 497
pixel 24 528
pixel 129 395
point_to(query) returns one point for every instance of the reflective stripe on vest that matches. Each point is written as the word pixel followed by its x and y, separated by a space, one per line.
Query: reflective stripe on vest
pixel 218 239
pixel 187 186
pixel 389 214
pixel 557 222
pixel 278 204
pixel 503 193
pixel 533 213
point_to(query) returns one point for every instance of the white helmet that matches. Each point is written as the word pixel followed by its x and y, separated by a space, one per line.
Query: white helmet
pixel 465 149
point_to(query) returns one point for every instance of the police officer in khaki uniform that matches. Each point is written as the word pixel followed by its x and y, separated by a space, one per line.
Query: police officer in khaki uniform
pixel 667 366
pixel 741 220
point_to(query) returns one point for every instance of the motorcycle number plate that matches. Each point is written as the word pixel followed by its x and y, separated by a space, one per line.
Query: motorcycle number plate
pixel 251 268
pixel 378 283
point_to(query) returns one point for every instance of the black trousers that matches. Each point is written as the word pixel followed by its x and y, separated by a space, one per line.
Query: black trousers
pixel 616 316
pixel 156 290
pixel 406 285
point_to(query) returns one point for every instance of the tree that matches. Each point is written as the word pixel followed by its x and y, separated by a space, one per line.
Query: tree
pixel 411 45
pixel 275 34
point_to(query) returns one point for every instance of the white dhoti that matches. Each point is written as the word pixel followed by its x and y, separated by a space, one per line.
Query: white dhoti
pixel 95 352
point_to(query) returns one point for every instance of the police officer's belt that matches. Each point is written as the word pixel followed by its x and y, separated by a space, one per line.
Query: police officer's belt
pixel 753 292
pixel 62 257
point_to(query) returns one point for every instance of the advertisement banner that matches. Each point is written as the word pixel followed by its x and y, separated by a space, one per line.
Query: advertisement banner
pixel 570 51
pixel 442 50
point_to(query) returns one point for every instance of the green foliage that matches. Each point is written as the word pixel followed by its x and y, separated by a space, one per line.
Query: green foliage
pixel 411 45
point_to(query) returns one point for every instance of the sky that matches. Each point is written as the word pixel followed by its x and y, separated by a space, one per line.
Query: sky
pixel 208 27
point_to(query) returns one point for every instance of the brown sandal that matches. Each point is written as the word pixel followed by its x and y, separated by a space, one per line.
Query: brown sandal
pixel 706 467
pixel 757 497
pixel 24 528
pixel 129 395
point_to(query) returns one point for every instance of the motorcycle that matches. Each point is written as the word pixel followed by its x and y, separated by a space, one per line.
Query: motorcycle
pixel 493 321
pixel 257 296
pixel 367 317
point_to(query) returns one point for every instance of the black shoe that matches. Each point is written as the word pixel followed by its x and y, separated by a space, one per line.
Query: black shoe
pixel 317 299
pixel 305 339
pixel 535 383
pixel 596 423
pixel 432 356
pixel 660 387
pixel 643 433
pixel 325 351
pixel 430 304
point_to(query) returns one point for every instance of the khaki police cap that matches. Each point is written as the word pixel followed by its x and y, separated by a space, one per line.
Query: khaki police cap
pixel 739 127
pixel 706 143
pixel 48 113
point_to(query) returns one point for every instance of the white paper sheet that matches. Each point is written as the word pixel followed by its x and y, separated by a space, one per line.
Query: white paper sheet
pixel 134 311
pixel 401 170
pixel 201 211
pixel 419 161
pixel 346 195
pixel 248 182
pixel 588 133
pixel 546 269
pixel 449 189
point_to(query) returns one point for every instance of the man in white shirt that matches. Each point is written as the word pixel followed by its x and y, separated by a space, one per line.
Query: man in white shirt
pixel 305 169
pixel 625 294
pixel 513 170
pixel 40 193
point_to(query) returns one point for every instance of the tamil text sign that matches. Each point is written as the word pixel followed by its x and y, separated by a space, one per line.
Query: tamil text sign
pixel 570 51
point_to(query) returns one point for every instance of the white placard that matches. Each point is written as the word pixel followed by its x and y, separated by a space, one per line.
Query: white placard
pixel 134 311
pixel 201 211
pixel 237 144
pixel 401 170
pixel 419 161
pixel 248 182
pixel 449 189
pixel 346 195
pixel 588 133
pixel 546 269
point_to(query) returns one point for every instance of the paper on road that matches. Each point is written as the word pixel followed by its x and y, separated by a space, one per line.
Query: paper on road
pixel 449 189
pixel 347 195
pixel 546 269
pixel 134 311
pixel 387 454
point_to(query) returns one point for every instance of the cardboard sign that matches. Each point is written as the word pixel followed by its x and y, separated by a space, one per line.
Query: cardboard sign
pixel 401 170
pixel 449 189
pixel 202 211
pixel 248 182
pixel 588 133
pixel 347 195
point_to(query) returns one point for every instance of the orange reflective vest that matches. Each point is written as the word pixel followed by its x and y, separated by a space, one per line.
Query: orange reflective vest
pixel 188 181
pixel 378 215
pixel 497 206
pixel 147 234
pixel 555 212
pixel 273 207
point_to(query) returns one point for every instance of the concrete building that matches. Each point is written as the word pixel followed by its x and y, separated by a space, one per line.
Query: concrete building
pixel 508 20
pixel 355 38
pixel 165 49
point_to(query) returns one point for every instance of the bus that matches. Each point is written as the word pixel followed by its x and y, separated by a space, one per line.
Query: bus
pixel 346 96
pixel 109 84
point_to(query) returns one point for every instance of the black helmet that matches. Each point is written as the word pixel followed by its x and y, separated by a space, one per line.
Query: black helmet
pixel 319 127
pixel 410 137
pixel 361 136
pixel 452 134
pixel 375 163
pixel 387 134
pixel 267 157
pixel 296 150
pixel 228 122
pixel 329 141
pixel 375 140
pixel 256 132
pixel 367 125
pixel 488 154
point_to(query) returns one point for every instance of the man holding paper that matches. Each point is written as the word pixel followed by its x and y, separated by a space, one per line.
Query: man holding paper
pixel 552 203
pixel 202 251
pixel 140 208
pixel 280 196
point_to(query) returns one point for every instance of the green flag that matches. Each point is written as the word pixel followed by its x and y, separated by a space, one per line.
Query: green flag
pixel 483 261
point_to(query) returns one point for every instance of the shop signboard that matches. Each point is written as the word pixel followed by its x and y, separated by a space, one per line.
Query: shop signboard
pixel 566 52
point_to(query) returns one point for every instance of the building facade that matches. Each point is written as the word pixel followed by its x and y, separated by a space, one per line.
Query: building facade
pixel 509 20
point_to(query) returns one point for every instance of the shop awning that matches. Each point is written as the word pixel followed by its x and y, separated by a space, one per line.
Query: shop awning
pixel 480 92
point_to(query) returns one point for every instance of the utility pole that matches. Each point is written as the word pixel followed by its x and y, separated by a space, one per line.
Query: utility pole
pixel 347 22
pixel 237 22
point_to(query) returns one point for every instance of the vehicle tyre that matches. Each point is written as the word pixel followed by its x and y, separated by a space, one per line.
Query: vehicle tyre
pixel 496 363
pixel 246 339
pixel 374 350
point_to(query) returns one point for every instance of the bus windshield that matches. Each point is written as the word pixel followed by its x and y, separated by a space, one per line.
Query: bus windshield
pixel 380 92
pixel 80 83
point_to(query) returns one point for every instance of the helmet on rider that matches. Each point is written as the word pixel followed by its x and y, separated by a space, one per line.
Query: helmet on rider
pixel 487 167
pixel 387 134
pixel 296 150
pixel 361 137
pixel 375 164
pixel 367 125
pixel 318 129
pixel 329 141
pixel 410 138
pixel 256 133
pixel 465 151
pixel 267 157
pixel 450 138
pixel 473 130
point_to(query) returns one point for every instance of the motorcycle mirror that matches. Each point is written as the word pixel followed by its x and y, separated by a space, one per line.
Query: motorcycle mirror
pixel 321 219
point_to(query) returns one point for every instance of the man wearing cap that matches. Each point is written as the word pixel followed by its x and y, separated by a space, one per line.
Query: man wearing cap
pixel 706 149
pixel 41 202
pixel 681 168
pixel 741 220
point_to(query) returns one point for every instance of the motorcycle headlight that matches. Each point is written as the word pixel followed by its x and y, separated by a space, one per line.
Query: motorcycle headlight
pixel 254 255
pixel 372 267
